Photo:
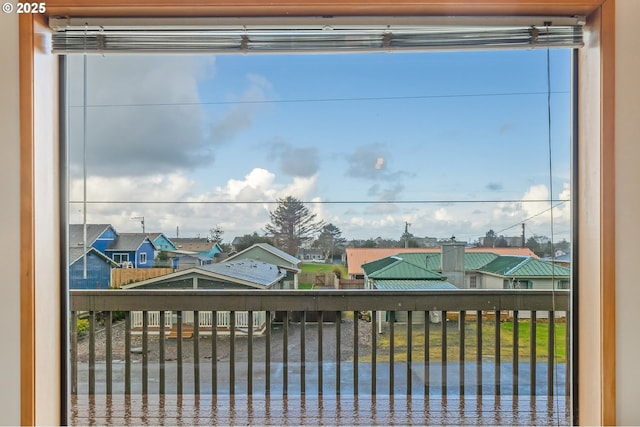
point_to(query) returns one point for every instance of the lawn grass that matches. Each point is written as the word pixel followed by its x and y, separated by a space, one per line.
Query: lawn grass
pixel 312 267
pixel 488 342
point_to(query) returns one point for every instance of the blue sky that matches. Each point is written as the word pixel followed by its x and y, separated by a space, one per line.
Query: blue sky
pixel 381 128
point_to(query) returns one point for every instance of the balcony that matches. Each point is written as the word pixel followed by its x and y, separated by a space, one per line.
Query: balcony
pixel 314 357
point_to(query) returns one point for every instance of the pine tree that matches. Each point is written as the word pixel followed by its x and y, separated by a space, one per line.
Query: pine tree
pixel 292 224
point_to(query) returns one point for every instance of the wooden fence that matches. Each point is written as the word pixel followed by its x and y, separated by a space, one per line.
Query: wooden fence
pixel 351 284
pixel 124 276
pixel 318 280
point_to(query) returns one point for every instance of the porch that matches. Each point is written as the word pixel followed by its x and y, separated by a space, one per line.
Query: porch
pixel 349 371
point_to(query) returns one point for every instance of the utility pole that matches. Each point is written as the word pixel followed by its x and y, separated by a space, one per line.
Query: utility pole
pixel 141 218
pixel 406 234
pixel 523 241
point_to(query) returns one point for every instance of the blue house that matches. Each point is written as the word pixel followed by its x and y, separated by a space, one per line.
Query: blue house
pixel 99 236
pixel 132 250
pixel 98 269
pixel 205 247
pixel 162 242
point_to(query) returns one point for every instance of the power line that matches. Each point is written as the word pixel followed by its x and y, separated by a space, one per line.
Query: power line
pixel 560 202
pixel 315 202
pixel 536 215
pixel 316 100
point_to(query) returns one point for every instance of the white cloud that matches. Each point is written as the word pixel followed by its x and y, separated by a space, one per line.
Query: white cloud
pixel 235 209
pixel 442 215
pixel 535 209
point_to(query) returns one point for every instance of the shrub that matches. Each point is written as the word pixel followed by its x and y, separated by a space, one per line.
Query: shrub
pixel 117 316
pixel 82 327
pixel 337 271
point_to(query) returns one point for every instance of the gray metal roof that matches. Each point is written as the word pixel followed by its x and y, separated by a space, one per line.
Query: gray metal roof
pixel 76 253
pixel 282 254
pixel 249 270
pixel 127 242
pixel 194 244
pixel 246 272
pixel 76 234
pixel 272 249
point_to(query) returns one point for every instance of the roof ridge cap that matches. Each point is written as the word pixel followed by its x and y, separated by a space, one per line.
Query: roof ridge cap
pixel 524 261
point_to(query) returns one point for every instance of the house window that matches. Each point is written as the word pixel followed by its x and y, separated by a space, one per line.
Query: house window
pixel 472 282
pixel 522 284
pixel 143 258
pixel 563 284
pixel 120 258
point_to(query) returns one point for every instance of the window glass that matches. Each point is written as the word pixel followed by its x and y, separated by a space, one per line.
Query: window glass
pixel 186 162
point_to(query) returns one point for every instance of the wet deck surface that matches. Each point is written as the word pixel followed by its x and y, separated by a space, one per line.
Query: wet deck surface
pixel 317 410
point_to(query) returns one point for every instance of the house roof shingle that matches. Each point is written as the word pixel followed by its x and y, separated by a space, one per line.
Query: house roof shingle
pixel 127 242
pixel 76 233
pixel 194 244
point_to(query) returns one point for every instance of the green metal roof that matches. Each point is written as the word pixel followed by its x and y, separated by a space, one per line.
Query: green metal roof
pixel 513 266
pixel 378 264
pixel 401 269
pixel 431 261
pixel 413 285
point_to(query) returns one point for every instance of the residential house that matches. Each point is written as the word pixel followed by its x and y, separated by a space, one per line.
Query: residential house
pixel 183 260
pixel 162 242
pixel 481 270
pixel 95 273
pixel 235 274
pixel 272 255
pixel 202 246
pixel 232 274
pixel 396 273
pixel 90 269
pixel 98 236
pixel 132 250
pixel 424 271
pixel 356 257
pixel 560 258
pixel 512 272
pixel 311 254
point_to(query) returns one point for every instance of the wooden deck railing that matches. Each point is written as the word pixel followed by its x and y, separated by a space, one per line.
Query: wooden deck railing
pixel 371 342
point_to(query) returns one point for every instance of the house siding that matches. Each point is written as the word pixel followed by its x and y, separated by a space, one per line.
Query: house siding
pixel 104 240
pixel 98 273
pixel 148 249
pixel 491 282
pixel 260 254
pixel 163 244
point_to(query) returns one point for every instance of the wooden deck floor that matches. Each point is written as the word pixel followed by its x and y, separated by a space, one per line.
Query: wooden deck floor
pixel 317 410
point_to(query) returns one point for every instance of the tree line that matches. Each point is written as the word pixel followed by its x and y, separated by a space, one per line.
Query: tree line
pixel 293 226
